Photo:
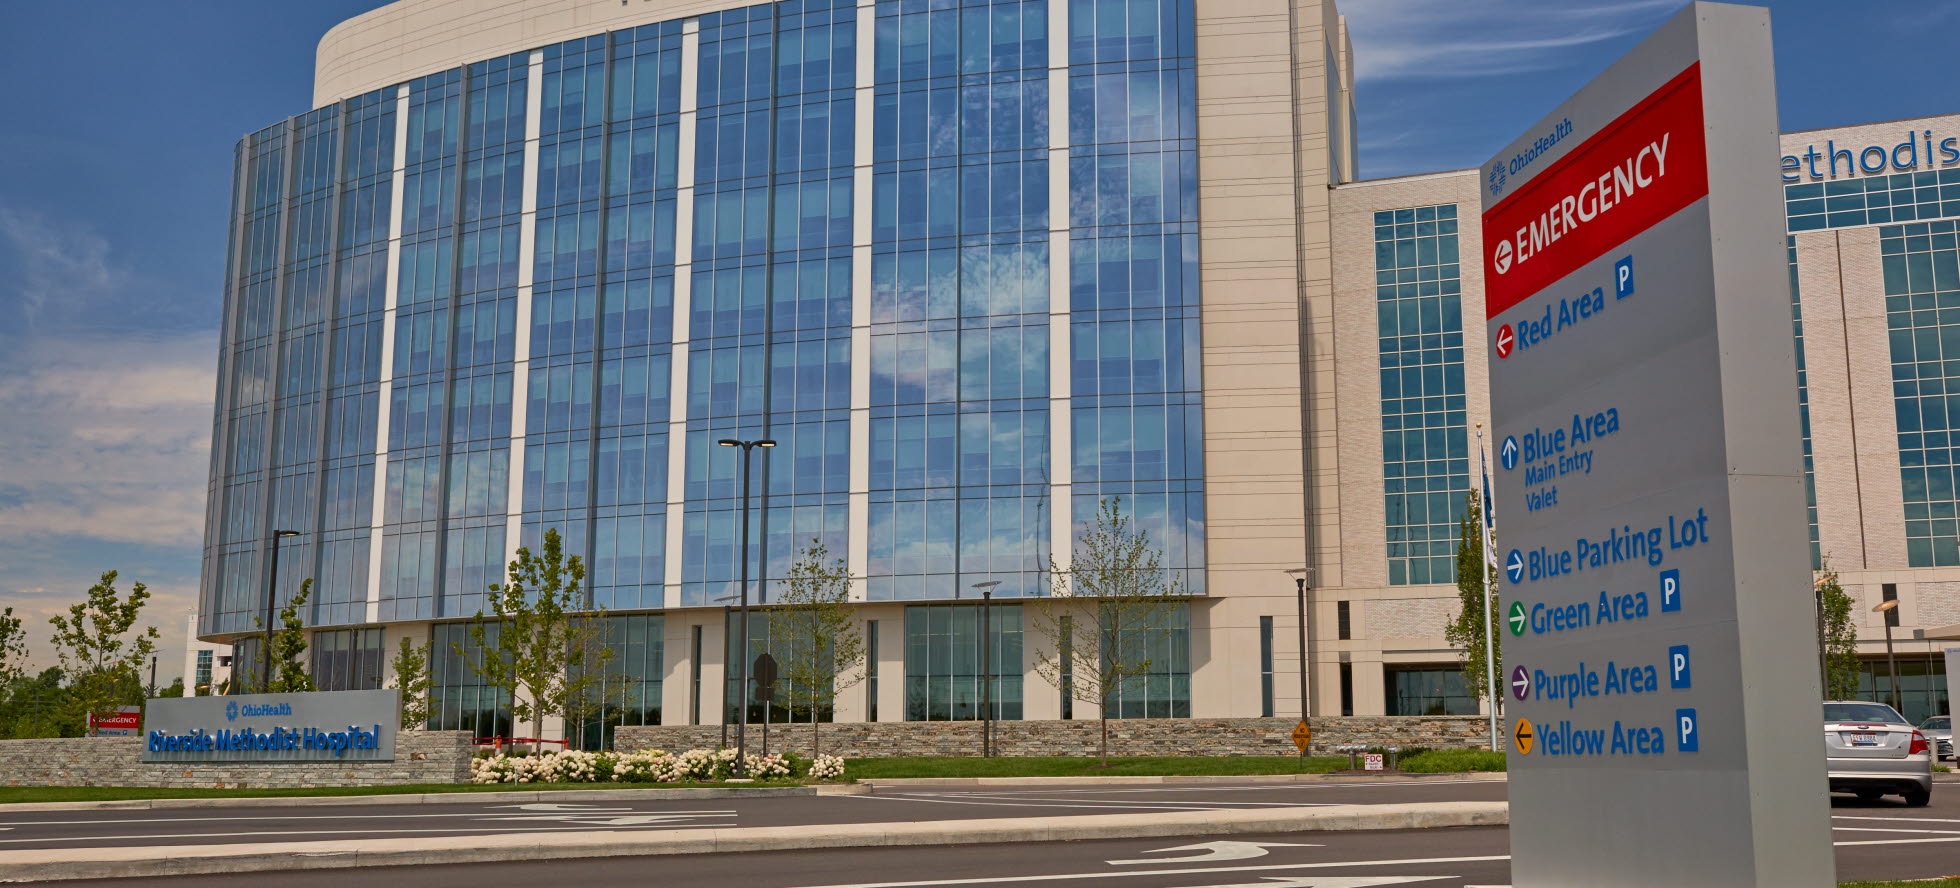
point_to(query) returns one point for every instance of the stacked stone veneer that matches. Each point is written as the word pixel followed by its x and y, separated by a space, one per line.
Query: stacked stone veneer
pixel 1137 736
pixel 420 757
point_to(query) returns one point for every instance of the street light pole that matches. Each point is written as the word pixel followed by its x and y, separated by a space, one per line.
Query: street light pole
pixel 986 667
pixel 742 646
pixel 1300 575
pixel 271 592
pixel 1891 662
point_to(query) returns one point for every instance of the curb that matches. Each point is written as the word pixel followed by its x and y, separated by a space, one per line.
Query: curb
pixel 106 863
pixel 452 798
pixel 1398 777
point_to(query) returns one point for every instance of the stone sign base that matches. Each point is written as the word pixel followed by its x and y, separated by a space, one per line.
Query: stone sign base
pixel 1128 737
pixel 420 757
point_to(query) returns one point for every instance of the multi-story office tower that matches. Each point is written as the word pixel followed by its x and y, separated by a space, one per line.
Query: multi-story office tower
pixel 976 266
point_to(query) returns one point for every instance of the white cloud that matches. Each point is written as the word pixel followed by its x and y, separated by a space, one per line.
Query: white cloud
pixel 1447 39
pixel 60 264
pixel 107 440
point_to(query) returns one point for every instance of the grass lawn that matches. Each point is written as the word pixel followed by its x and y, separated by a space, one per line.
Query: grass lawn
pixel 1453 761
pixel 13 794
pixel 1085 766
pixel 1924 883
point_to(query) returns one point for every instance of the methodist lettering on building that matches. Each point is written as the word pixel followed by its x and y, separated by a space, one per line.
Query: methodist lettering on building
pixel 1649 465
pixel 1918 150
pixel 328 726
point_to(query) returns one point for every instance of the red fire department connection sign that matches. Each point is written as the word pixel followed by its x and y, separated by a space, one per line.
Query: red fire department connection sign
pixel 1645 166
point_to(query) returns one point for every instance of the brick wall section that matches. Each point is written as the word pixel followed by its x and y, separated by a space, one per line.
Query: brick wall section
pixel 1137 736
pixel 420 757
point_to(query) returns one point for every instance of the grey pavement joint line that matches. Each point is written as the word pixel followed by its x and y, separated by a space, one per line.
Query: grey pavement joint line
pixel 35 865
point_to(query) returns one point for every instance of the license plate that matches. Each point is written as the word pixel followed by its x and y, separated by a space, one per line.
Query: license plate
pixel 1863 739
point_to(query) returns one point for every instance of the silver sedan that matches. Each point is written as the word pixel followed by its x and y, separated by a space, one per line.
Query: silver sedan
pixel 1873 752
pixel 1939 729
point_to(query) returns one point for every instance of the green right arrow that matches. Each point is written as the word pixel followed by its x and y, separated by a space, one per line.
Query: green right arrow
pixel 1517 619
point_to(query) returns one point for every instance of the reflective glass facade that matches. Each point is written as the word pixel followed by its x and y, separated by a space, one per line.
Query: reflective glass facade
pixel 909 241
pixel 1803 406
pixel 1922 307
pixel 1425 445
pixel 1873 200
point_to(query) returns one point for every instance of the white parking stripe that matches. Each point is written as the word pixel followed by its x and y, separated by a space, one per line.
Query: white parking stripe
pixel 1021 804
pixel 1052 877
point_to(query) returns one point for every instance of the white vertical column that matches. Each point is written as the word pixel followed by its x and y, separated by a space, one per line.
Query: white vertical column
pixel 520 368
pixel 385 396
pixel 1060 423
pixel 683 297
pixel 858 552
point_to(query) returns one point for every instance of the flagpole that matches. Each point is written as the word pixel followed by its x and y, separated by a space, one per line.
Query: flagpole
pixel 1490 594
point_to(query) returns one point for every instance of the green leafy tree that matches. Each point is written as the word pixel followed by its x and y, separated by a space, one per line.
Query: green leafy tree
pixel 176 688
pixel 537 637
pixel 289 673
pixel 411 668
pixel 101 651
pixel 1107 605
pixel 1837 637
pixel 818 646
pixel 37 706
pixel 13 650
pixel 1476 607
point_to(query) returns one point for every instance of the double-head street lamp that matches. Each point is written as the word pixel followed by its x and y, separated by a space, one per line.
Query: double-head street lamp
pixel 1891 664
pixel 986 668
pixel 271 592
pixel 742 648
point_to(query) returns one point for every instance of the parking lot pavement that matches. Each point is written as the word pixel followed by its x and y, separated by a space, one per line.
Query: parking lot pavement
pixel 166 826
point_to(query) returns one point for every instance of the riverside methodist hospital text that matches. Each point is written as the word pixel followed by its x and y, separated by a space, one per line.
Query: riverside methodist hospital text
pixel 248 740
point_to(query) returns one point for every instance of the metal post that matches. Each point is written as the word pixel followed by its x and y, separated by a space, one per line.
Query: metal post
pixel 986 666
pixel 1892 665
pixel 271 592
pixel 742 646
pixel 1493 686
pixel 1300 585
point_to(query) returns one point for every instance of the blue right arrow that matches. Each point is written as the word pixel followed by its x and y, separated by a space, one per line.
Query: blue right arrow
pixel 1514 568
pixel 1510 453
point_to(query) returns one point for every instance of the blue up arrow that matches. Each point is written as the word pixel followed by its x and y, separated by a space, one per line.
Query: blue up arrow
pixel 1508 454
pixel 1514 567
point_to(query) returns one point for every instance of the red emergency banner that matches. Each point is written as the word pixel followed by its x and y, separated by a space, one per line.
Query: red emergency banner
pixel 1645 166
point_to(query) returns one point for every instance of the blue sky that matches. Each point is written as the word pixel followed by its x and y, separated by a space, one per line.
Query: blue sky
pixel 115 159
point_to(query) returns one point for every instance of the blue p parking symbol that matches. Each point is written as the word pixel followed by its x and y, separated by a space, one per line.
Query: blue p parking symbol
pixel 1678 670
pixel 1687 732
pixel 1623 278
pixel 1671 590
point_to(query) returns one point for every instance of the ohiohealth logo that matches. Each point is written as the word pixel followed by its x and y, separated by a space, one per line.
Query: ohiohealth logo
pixel 256 710
pixel 231 711
pixel 1497 178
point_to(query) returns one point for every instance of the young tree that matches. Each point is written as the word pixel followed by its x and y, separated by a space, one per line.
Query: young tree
pixel 176 688
pixel 819 648
pixel 13 650
pixel 1475 606
pixel 1837 637
pixel 586 697
pixel 411 666
pixel 289 673
pixel 1113 597
pixel 536 635
pixel 104 668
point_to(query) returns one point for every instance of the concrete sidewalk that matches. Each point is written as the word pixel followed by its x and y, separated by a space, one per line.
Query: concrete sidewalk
pixel 1373 777
pixel 43 865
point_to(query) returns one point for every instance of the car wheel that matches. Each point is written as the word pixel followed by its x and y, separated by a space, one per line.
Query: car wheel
pixel 1871 795
pixel 1918 798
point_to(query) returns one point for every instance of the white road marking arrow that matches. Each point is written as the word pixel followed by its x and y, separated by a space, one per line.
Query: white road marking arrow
pixel 1213 851
pixel 567 808
pixel 608 820
pixel 1327 881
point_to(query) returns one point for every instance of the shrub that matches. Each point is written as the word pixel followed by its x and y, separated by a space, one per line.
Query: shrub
pixel 645 766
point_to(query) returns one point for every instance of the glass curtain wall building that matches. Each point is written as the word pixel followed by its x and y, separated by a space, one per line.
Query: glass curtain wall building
pixel 945 253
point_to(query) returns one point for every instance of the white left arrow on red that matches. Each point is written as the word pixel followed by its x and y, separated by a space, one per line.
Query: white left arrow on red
pixel 1213 851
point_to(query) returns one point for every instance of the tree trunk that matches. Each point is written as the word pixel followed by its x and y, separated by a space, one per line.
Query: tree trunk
pixel 816 739
pixel 1103 716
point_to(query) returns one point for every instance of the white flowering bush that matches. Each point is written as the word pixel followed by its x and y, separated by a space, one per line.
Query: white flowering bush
pixel 827 767
pixel 646 766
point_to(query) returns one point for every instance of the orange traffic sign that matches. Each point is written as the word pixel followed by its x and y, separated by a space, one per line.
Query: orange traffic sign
pixel 1302 736
pixel 1522 737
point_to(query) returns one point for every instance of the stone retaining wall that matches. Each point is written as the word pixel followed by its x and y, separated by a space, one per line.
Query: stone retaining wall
pixel 420 757
pixel 1137 736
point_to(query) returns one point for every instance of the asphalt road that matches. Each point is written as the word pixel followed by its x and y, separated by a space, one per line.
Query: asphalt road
pixel 1922 844
pixel 232 825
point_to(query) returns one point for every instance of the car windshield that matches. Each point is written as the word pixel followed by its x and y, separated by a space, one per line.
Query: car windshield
pixel 1941 723
pixel 1861 712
